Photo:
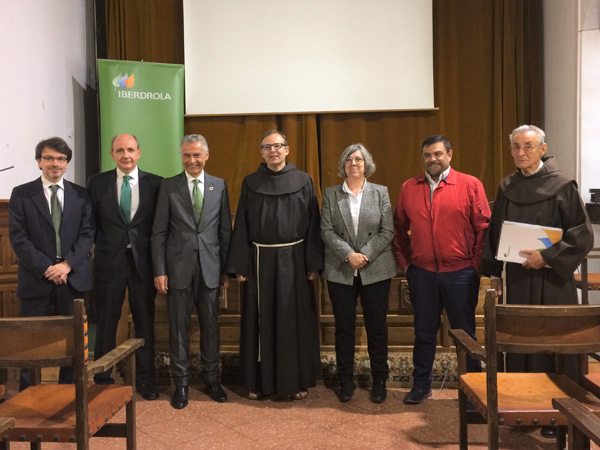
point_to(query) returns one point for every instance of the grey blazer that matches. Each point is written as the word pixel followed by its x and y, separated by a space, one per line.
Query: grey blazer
pixel 178 244
pixel 374 238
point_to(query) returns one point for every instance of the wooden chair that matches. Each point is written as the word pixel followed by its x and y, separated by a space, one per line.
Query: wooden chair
pixel 583 424
pixel 588 281
pixel 524 399
pixel 65 412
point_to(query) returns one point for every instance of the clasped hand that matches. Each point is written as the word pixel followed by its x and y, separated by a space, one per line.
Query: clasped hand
pixel 357 260
pixel 57 273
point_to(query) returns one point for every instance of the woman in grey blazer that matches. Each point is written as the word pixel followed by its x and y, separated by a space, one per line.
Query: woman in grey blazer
pixel 357 228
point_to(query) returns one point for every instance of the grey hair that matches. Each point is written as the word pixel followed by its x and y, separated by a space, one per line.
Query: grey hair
pixel 369 164
pixel 191 138
pixel 116 136
pixel 526 129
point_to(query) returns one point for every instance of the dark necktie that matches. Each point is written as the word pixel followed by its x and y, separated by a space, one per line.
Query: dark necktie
pixel 56 214
pixel 198 201
pixel 125 204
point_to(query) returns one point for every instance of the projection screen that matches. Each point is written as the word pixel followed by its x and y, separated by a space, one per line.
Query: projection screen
pixel 291 56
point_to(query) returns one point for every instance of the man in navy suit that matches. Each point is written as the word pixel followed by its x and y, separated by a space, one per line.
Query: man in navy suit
pixel 123 201
pixel 190 241
pixel 51 230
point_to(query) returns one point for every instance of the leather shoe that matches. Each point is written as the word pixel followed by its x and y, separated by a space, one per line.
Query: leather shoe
pixel 378 392
pixel 180 397
pixel 148 390
pixel 416 395
pixel 216 392
pixel 548 432
pixel 346 391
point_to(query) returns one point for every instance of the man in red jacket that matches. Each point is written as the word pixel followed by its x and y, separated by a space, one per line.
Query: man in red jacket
pixel 440 222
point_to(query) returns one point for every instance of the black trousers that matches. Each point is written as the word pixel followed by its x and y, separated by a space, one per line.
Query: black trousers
pixel 456 292
pixel 180 304
pixel 374 301
pixel 109 299
pixel 58 302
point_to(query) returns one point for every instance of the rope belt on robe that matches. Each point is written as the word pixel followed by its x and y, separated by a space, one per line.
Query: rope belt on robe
pixel 258 246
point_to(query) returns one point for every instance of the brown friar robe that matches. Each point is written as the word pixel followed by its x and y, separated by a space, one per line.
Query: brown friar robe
pixel 548 198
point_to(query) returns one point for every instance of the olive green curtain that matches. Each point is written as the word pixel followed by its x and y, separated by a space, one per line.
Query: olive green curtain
pixel 488 72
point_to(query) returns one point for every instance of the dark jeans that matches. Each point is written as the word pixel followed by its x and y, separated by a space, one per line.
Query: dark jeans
pixel 456 292
pixel 58 302
pixel 374 301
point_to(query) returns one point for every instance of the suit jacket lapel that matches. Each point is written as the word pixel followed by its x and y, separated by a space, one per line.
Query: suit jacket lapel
pixel 344 206
pixel 68 204
pixel 40 200
pixel 185 193
pixel 368 205
pixel 112 193
pixel 143 194
pixel 209 198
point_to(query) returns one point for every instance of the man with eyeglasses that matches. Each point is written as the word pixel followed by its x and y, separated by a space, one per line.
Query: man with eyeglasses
pixel 123 200
pixel 276 251
pixel 51 230
pixel 440 224
pixel 538 193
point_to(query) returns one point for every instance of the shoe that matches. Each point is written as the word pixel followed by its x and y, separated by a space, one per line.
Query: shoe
pixel 378 392
pixel 148 390
pixel 346 391
pixel 180 397
pixel 548 432
pixel 417 395
pixel 300 395
pixel 216 392
pixel 254 395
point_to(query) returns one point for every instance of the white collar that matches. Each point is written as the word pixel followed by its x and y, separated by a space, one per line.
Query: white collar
pixel 191 178
pixel 47 183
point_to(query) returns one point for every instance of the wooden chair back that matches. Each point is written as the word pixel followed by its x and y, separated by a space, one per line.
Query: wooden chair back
pixel 571 329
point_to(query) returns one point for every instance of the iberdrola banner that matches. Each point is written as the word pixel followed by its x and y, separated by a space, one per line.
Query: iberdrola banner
pixel 146 100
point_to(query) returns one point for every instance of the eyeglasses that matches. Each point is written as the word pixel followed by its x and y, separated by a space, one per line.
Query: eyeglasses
pixel 50 159
pixel 355 160
pixel 527 147
pixel 275 146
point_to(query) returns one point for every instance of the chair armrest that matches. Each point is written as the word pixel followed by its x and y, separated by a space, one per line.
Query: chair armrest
pixel 579 416
pixel 114 356
pixel 467 343
pixel 6 423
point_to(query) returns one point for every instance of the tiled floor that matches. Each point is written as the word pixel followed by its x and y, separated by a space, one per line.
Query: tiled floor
pixel 318 422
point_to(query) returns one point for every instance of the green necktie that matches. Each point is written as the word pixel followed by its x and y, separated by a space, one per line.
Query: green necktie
pixel 198 201
pixel 56 214
pixel 125 204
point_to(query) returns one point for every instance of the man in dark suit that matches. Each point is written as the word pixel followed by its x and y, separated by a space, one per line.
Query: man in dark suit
pixel 123 200
pixel 51 230
pixel 190 241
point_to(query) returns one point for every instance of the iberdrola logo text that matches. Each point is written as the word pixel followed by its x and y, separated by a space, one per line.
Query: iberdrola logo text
pixel 127 81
